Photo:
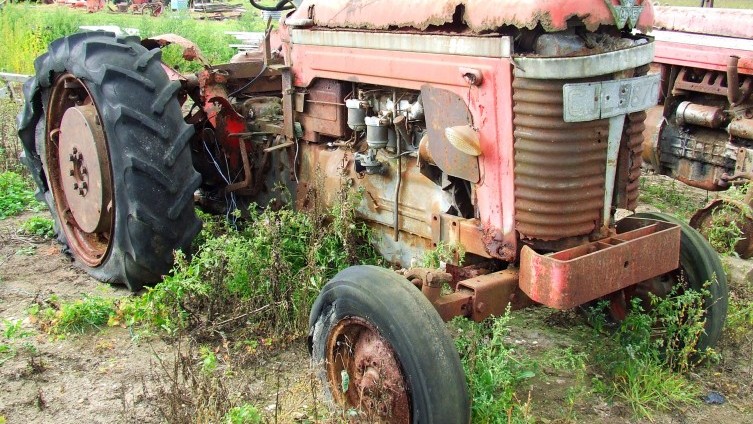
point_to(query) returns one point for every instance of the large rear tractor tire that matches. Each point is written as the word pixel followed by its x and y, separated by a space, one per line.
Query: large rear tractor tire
pixel 106 143
pixel 700 270
pixel 382 350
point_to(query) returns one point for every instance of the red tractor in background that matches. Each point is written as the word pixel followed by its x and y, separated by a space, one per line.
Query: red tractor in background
pixel 512 130
pixel 702 134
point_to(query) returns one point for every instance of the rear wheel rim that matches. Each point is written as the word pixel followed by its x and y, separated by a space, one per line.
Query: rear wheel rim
pixel 79 170
pixel 364 372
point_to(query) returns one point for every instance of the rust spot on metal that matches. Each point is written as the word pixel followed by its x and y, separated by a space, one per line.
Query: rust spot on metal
pixel 446 109
pixel 376 384
pixel 641 250
pixel 559 167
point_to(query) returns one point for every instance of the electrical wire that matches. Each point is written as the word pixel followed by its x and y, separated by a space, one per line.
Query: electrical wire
pixel 248 84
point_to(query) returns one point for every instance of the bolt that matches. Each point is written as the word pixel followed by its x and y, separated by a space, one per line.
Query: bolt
pixel 72 158
pixel 81 192
pixel 80 156
pixel 75 150
pixel 75 186
pixel 84 170
pixel 84 185
pixel 71 172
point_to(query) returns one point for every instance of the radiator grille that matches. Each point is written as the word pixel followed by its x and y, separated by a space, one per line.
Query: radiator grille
pixel 559 166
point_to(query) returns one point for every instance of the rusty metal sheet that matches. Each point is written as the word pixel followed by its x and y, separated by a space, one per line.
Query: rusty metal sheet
pixel 703 20
pixel 491 293
pixel 572 277
pixel 324 110
pixel 445 109
pixel 630 162
pixel 559 167
pixel 477 15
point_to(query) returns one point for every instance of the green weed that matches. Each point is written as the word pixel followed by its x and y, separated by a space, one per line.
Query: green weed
pixel 493 372
pixel 79 316
pixel 10 147
pixel 670 197
pixel 443 253
pixel 739 320
pixel 16 195
pixel 648 355
pixel 244 414
pixel 13 330
pixel 27 30
pixel 208 359
pixel 38 226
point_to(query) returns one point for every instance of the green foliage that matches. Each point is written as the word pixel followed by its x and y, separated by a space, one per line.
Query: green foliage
pixel 670 197
pixel 739 323
pixel 79 316
pixel 12 332
pixel 38 226
pixel 16 195
pixel 265 274
pixel 208 359
pixel 244 414
pixel 493 372
pixel 27 30
pixel 444 252
pixel 725 228
pixel 10 146
pixel 645 362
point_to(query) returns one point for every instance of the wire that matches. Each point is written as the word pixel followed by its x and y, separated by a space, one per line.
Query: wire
pixel 248 84
pixel 280 6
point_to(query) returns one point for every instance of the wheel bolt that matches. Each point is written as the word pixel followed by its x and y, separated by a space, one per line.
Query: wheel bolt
pixel 75 186
pixel 75 150
pixel 84 170
pixel 84 185
pixel 81 192
pixel 72 158
pixel 80 156
pixel 71 172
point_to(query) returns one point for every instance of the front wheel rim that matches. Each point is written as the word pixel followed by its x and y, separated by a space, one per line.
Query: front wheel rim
pixel 364 372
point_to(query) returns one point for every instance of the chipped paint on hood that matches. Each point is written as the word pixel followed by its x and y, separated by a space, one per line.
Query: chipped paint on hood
pixel 478 15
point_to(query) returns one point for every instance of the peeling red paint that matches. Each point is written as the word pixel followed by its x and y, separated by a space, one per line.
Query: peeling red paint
pixel 478 15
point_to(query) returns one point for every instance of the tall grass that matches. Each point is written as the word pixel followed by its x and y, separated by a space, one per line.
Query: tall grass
pixel 26 30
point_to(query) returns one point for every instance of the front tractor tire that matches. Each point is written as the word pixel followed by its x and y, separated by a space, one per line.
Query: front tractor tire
pixel 105 141
pixel 382 350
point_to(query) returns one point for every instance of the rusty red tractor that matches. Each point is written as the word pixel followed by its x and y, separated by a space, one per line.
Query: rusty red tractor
pixel 509 129
pixel 702 134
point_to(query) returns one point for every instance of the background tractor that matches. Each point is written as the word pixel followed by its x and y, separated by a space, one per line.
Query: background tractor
pixel 511 131
pixel 702 134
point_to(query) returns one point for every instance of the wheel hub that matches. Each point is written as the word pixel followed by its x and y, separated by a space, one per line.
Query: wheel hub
pixel 84 168
pixel 376 384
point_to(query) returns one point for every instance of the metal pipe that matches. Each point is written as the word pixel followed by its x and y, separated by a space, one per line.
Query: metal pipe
pixel 616 125
pixel 398 121
pixel 734 94
pixel 705 116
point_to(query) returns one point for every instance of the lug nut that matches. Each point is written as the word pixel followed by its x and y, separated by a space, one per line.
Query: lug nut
pixel 72 157
pixel 83 170
pixel 75 150
pixel 84 185
pixel 75 186
pixel 81 192
pixel 71 172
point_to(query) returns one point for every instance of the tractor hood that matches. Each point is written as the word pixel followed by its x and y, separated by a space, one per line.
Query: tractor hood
pixel 478 15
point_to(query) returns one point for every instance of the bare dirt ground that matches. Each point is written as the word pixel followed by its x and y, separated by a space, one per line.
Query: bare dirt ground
pixel 115 376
